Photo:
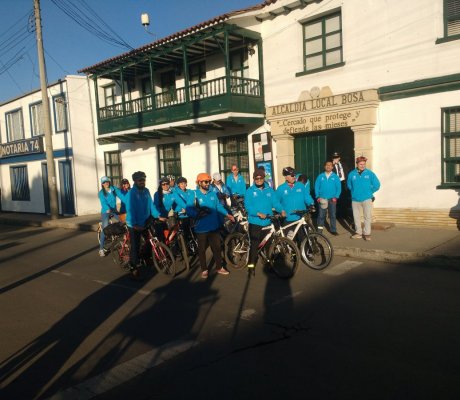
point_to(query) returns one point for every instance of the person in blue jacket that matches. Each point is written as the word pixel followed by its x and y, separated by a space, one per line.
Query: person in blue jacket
pixel 362 183
pixel 236 183
pixel 165 200
pixel 207 227
pixel 139 208
pixel 327 191
pixel 293 195
pixel 107 197
pixel 121 193
pixel 259 201
pixel 188 196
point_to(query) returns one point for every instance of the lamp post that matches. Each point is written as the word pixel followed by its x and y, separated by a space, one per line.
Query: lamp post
pixel 52 187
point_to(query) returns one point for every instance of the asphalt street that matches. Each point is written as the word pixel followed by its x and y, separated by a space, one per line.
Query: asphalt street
pixel 75 326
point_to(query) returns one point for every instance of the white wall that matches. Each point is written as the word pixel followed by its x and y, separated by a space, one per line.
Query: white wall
pixel 407 152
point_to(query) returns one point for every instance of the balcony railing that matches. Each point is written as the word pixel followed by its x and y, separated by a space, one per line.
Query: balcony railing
pixel 199 91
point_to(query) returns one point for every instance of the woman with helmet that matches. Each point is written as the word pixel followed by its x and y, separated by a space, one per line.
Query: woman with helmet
pixel 121 193
pixel 107 198
pixel 207 227
pixel 165 200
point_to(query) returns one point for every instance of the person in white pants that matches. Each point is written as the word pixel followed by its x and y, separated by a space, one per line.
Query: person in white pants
pixel 362 183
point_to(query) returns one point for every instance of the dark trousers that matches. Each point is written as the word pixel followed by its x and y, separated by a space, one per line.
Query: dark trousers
pixel 213 240
pixel 135 242
pixel 256 234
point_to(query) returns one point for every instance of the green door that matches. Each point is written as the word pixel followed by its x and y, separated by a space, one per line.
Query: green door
pixel 310 154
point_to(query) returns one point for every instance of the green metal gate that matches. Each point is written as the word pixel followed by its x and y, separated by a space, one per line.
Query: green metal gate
pixel 310 154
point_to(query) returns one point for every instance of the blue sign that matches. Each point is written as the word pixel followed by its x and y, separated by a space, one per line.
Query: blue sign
pixel 22 147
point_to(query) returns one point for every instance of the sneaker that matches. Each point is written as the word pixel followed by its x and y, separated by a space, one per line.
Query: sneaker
pixel 102 253
pixel 204 274
pixel 251 266
pixel 357 236
pixel 222 271
pixel 335 233
pixel 367 237
pixel 320 229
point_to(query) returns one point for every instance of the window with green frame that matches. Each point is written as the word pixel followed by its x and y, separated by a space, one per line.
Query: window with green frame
pixel 169 159
pixel 113 169
pixel 322 43
pixel 233 150
pixel 452 18
pixel 451 146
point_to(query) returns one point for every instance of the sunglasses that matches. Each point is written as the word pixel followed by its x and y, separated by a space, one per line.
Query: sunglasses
pixel 140 180
pixel 206 182
pixel 165 184
pixel 258 178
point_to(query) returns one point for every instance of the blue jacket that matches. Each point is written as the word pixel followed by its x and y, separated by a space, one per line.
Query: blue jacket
pixel 328 188
pixel 237 186
pixel 121 194
pixel 108 202
pixel 188 197
pixel 139 207
pixel 170 201
pixel 362 186
pixel 261 201
pixel 295 198
pixel 221 194
pixel 210 222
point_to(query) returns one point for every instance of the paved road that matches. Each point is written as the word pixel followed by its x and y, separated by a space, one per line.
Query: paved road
pixel 75 326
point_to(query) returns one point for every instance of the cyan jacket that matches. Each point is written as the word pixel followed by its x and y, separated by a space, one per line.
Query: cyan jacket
pixel 261 200
pixel 170 201
pixel 237 186
pixel 328 188
pixel 188 197
pixel 121 194
pixel 211 222
pixel 293 198
pixel 139 207
pixel 362 186
pixel 108 201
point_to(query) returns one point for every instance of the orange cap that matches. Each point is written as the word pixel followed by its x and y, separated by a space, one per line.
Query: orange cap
pixel 203 177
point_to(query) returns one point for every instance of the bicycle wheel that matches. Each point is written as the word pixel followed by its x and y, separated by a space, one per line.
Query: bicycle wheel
pixel 284 257
pixel 163 259
pixel 184 252
pixel 316 251
pixel 236 250
pixel 120 252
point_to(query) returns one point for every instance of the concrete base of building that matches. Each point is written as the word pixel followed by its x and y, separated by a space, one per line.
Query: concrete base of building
pixel 418 217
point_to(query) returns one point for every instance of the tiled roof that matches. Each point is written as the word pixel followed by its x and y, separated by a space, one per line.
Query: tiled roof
pixel 177 35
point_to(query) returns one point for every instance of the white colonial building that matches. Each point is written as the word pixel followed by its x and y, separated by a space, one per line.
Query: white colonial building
pixel 289 82
pixel 23 167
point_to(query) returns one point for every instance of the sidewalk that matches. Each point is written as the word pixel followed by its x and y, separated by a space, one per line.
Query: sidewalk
pixel 398 244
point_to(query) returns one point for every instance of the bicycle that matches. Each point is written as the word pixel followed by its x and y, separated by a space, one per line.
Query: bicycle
pixel 99 228
pixel 283 256
pixel 182 244
pixel 315 248
pixel 151 249
pixel 239 213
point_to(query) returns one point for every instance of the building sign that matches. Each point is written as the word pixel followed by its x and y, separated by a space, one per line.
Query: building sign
pixel 340 111
pixel 22 147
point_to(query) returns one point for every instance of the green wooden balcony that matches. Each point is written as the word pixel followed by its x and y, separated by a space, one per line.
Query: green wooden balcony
pixel 212 97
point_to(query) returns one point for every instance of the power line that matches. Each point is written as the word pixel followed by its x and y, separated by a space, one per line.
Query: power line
pixel 93 24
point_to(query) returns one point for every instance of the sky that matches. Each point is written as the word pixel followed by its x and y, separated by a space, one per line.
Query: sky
pixel 69 47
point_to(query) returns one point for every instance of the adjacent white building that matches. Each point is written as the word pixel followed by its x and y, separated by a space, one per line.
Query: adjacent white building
pixel 289 82
pixel 23 168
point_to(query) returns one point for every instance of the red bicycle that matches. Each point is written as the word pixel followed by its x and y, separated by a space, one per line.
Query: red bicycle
pixel 151 251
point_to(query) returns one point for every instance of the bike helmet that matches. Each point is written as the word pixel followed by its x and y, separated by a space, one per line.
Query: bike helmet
pixel 139 175
pixel 105 179
pixel 171 177
pixel 288 171
pixel 203 177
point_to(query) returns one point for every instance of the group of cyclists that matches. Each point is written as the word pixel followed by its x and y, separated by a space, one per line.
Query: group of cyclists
pixel 214 197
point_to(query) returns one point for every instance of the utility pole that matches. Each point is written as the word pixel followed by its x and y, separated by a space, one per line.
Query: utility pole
pixel 52 188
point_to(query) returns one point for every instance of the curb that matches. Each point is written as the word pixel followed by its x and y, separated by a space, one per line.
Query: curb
pixel 400 257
